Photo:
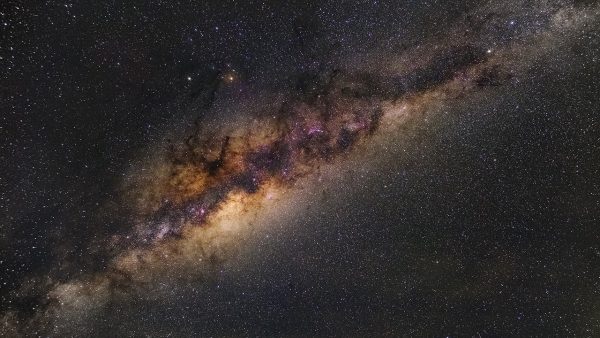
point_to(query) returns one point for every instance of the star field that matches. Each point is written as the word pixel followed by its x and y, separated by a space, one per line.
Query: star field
pixel 330 168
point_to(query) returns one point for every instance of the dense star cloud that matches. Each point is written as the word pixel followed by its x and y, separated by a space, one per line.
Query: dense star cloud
pixel 332 168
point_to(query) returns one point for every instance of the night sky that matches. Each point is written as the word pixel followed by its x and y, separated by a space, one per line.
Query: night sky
pixel 300 168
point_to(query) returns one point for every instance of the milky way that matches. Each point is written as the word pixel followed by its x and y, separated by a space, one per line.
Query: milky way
pixel 195 201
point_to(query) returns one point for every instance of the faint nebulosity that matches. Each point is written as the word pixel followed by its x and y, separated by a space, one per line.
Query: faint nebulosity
pixel 323 168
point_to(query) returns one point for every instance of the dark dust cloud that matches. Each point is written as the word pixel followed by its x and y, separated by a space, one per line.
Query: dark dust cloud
pixel 333 168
